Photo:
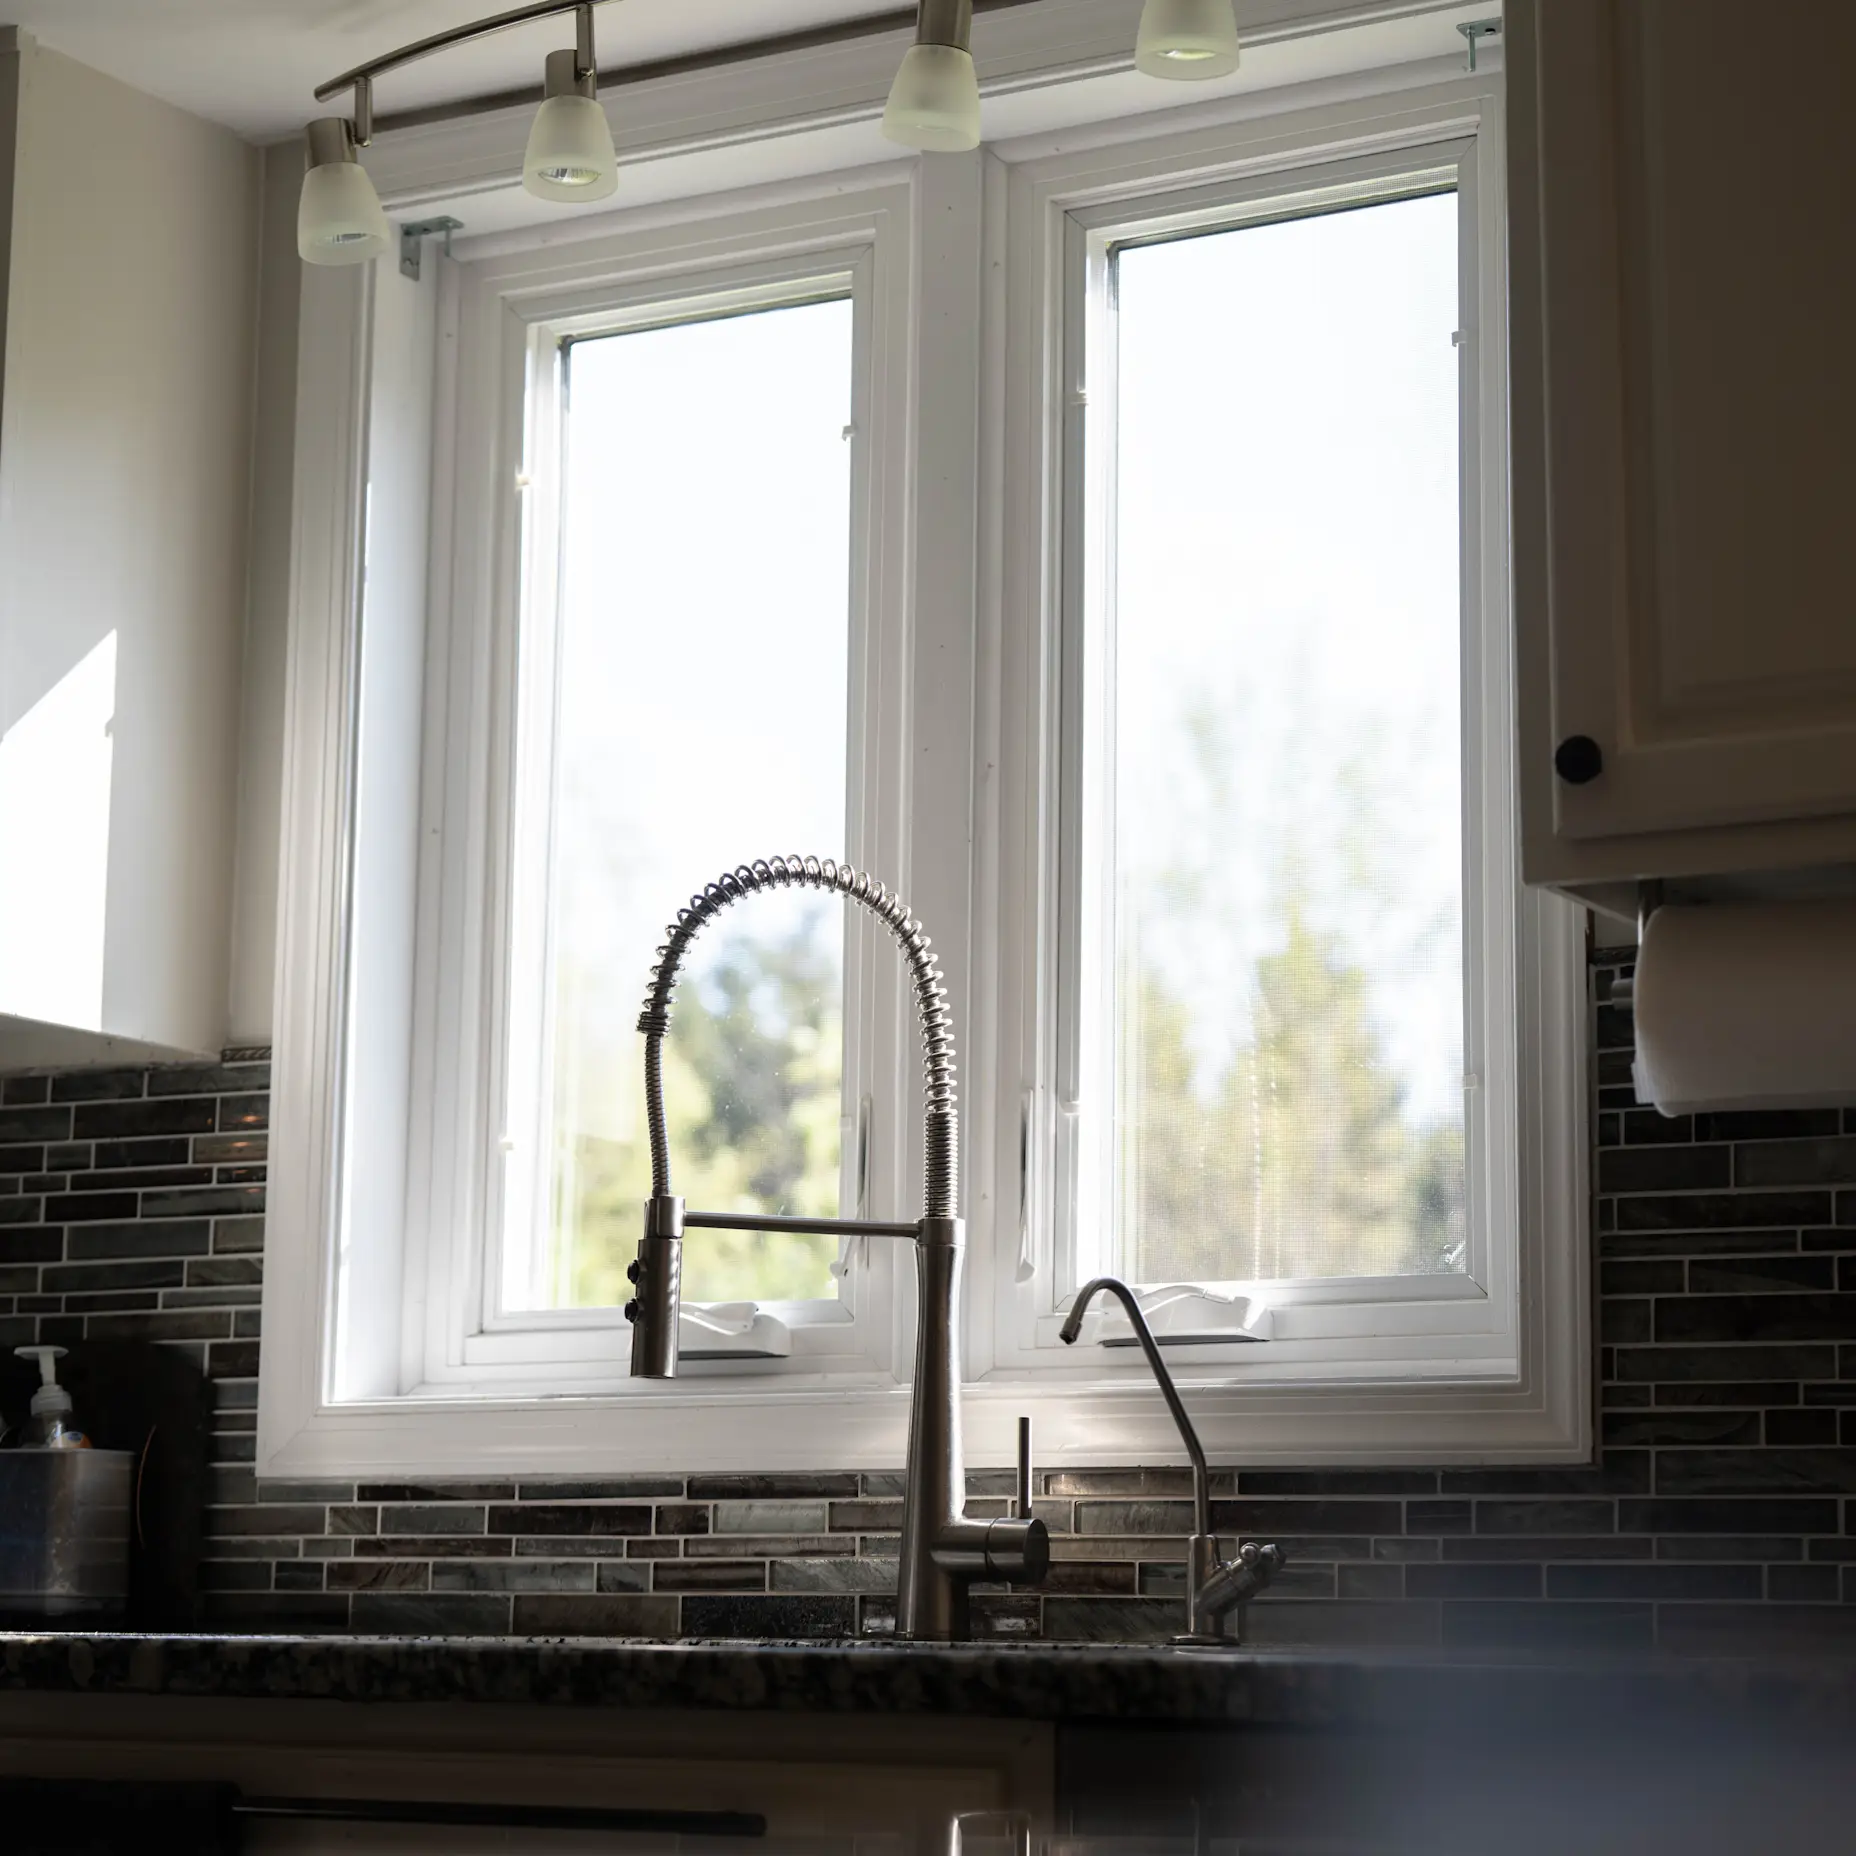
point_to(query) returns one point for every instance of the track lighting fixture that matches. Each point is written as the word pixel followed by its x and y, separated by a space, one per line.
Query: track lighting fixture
pixel 338 217
pixel 570 157
pixel 934 104
pixel 1187 40
pixel 570 146
pixel 935 101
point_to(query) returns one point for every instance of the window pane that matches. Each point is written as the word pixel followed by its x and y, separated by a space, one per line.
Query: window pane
pixel 701 722
pixel 1281 729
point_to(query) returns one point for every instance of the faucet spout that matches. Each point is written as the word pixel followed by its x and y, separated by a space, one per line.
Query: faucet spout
pixel 1215 1587
pixel 1073 1326
pixel 943 1552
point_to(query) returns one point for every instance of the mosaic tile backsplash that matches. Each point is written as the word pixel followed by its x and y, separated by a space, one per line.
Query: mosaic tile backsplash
pixel 1721 1515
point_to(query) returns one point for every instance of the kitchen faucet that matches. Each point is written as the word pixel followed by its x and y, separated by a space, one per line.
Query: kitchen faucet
pixel 1215 1586
pixel 944 1551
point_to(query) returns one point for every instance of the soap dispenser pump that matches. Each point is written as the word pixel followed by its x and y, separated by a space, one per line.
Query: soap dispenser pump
pixel 51 1427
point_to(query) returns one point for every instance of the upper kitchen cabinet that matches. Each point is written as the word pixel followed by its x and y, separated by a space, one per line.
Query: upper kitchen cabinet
pixel 1683 278
pixel 128 272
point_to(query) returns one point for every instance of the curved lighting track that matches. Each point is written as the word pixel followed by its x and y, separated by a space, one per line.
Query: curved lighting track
pixel 933 105
pixel 462 35
pixel 684 64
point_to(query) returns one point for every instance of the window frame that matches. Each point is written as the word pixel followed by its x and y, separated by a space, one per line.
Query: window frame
pixel 1318 1327
pixel 593 1344
pixel 526 826
pixel 1407 1372
pixel 359 1302
pixel 505 319
pixel 971 532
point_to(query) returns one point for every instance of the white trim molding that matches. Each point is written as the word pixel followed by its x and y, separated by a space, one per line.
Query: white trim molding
pixel 387 1248
pixel 969 554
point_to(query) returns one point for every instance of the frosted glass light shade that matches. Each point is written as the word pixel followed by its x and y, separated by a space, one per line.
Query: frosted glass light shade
pixel 570 154
pixel 1187 40
pixel 935 101
pixel 338 217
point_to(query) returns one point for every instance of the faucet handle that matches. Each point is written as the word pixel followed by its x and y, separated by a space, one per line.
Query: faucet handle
pixel 1021 1505
pixel 1216 1587
pixel 1261 1561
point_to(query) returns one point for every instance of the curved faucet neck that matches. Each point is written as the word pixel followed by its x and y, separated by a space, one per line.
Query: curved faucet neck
pixel 943 1549
pixel 1072 1326
pixel 937 1025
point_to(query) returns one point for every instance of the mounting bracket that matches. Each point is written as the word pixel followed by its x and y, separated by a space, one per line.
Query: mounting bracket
pixel 1474 30
pixel 415 232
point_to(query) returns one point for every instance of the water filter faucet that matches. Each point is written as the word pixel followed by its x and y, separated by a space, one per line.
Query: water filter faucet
pixel 1215 1586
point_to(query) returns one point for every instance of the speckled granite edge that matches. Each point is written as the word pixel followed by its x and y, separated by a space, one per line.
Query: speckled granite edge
pixel 1025 1682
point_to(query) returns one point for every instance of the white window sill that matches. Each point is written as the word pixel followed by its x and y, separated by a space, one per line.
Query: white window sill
pixel 720 1423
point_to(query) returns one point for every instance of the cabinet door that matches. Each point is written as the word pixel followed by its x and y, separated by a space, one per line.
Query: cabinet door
pixel 1683 197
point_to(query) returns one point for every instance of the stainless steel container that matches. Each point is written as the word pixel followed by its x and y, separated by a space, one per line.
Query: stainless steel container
pixel 64 1531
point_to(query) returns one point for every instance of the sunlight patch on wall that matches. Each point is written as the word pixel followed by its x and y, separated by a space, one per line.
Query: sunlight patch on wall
pixel 55 764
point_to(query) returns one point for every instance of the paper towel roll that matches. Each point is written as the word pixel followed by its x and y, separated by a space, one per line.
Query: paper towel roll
pixel 1747 1005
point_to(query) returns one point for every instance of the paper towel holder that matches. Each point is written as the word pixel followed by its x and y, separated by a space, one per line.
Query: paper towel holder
pixel 1649 900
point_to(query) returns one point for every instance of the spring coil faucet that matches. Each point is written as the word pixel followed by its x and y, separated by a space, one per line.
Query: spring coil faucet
pixel 943 1551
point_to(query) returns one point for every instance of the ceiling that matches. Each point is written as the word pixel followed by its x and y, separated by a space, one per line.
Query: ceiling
pixel 254 64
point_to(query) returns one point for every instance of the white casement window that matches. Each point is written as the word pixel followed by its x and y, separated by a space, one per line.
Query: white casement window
pixel 687 628
pixel 1102 540
pixel 1298 1058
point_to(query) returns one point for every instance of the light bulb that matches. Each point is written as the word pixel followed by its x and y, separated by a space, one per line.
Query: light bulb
pixel 570 155
pixel 338 217
pixel 935 101
pixel 1187 40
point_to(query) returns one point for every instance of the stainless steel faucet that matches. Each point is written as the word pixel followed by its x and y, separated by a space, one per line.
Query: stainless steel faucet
pixel 1215 1586
pixel 944 1552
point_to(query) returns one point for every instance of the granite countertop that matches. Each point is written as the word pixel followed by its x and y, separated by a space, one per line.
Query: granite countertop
pixel 1070 1682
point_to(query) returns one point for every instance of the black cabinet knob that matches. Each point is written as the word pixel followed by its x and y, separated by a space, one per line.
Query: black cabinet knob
pixel 1578 759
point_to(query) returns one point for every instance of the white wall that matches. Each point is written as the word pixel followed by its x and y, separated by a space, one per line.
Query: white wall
pixel 125 472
